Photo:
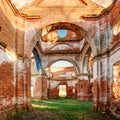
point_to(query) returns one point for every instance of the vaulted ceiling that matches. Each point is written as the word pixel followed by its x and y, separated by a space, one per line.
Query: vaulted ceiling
pixel 61 12
pixel 40 7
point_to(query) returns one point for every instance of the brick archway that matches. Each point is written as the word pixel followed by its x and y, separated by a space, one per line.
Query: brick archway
pixel 64 59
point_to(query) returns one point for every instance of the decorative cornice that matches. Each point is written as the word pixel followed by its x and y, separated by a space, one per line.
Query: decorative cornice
pixel 21 15
pixel 104 12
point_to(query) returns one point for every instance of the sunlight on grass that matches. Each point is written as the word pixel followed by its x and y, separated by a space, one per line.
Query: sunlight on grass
pixel 43 106
pixel 62 104
pixel 61 109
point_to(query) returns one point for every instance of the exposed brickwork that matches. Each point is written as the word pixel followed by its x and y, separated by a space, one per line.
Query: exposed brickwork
pixel 6 26
pixel 71 91
pixel 84 90
pixel 54 93
pixel 7 89
pixel 38 89
pixel 22 36
pixel 95 94
pixel 63 73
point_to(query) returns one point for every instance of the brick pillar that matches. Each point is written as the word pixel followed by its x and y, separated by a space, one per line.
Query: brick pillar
pixel 28 84
pixel 96 85
pixel 100 84
pixel 83 88
pixel 38 89
pixel 44 87
pixel 22 84
pixel 7 89
pixel 104 83
pixel 95 94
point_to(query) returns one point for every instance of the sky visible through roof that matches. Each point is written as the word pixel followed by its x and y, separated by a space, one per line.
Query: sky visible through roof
pixel 62 33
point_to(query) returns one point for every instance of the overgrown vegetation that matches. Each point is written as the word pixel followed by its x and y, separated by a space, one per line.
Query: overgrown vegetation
pixel 61 109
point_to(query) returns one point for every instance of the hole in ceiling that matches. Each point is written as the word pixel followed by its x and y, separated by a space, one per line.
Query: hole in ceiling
pixel 62 33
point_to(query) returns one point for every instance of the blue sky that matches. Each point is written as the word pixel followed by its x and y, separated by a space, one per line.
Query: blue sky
pixel 62 33
pixel 62 63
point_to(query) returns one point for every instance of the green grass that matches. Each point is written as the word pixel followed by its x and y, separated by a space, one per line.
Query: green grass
pixel 62 104
pixel 62 109
pixel 66 109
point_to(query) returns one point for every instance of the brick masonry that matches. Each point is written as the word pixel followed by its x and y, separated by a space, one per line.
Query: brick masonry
pixel 21 36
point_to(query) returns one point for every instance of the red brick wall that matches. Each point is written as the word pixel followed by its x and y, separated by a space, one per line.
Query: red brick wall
pixel 7 33
pixel 54 92
pixel 64 71
pixel 38 89
pixel 84 90
pixel 95 93
pixel 7 89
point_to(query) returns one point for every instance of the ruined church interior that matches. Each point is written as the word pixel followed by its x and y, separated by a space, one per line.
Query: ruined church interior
pixel 59 48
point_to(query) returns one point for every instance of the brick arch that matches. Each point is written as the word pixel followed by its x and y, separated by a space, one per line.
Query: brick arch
pixel 63 44
pixel 65 25
pixel 87 33
pixel 65 59
pixel 31 45
pixel 87 50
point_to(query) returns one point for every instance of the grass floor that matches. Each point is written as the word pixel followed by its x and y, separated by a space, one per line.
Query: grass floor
pixel 61 109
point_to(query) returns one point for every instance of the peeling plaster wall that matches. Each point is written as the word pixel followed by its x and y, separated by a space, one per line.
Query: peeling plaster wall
pixel 7 84
pixel 114 58
pixel 70 85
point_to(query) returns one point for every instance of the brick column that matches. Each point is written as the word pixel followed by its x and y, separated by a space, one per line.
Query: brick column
pixel 83 88
pixel 38 88
pixel 28 84
pixel 96 85
pixel 44 87
pixel 22 83
pixel 100 84
pixel 104 84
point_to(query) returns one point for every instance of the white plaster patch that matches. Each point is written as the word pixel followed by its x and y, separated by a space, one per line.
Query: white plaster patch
pixel 104 67
pixel 13 100
pixel 34 79
pixel 61 47
pixel 95 70
pixel 72 83
pixel 115 57
pixel 30 34
pixel 20 3
pixel 54 84
pixel 20 100
pixel 104 3
pixel 6 102
pixel 3 57
pixel 103 99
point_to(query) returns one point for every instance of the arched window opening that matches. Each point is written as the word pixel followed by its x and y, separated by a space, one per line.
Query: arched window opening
pixel 62 70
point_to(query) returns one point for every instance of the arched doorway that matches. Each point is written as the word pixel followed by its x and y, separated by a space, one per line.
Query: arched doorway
pixel 62 79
